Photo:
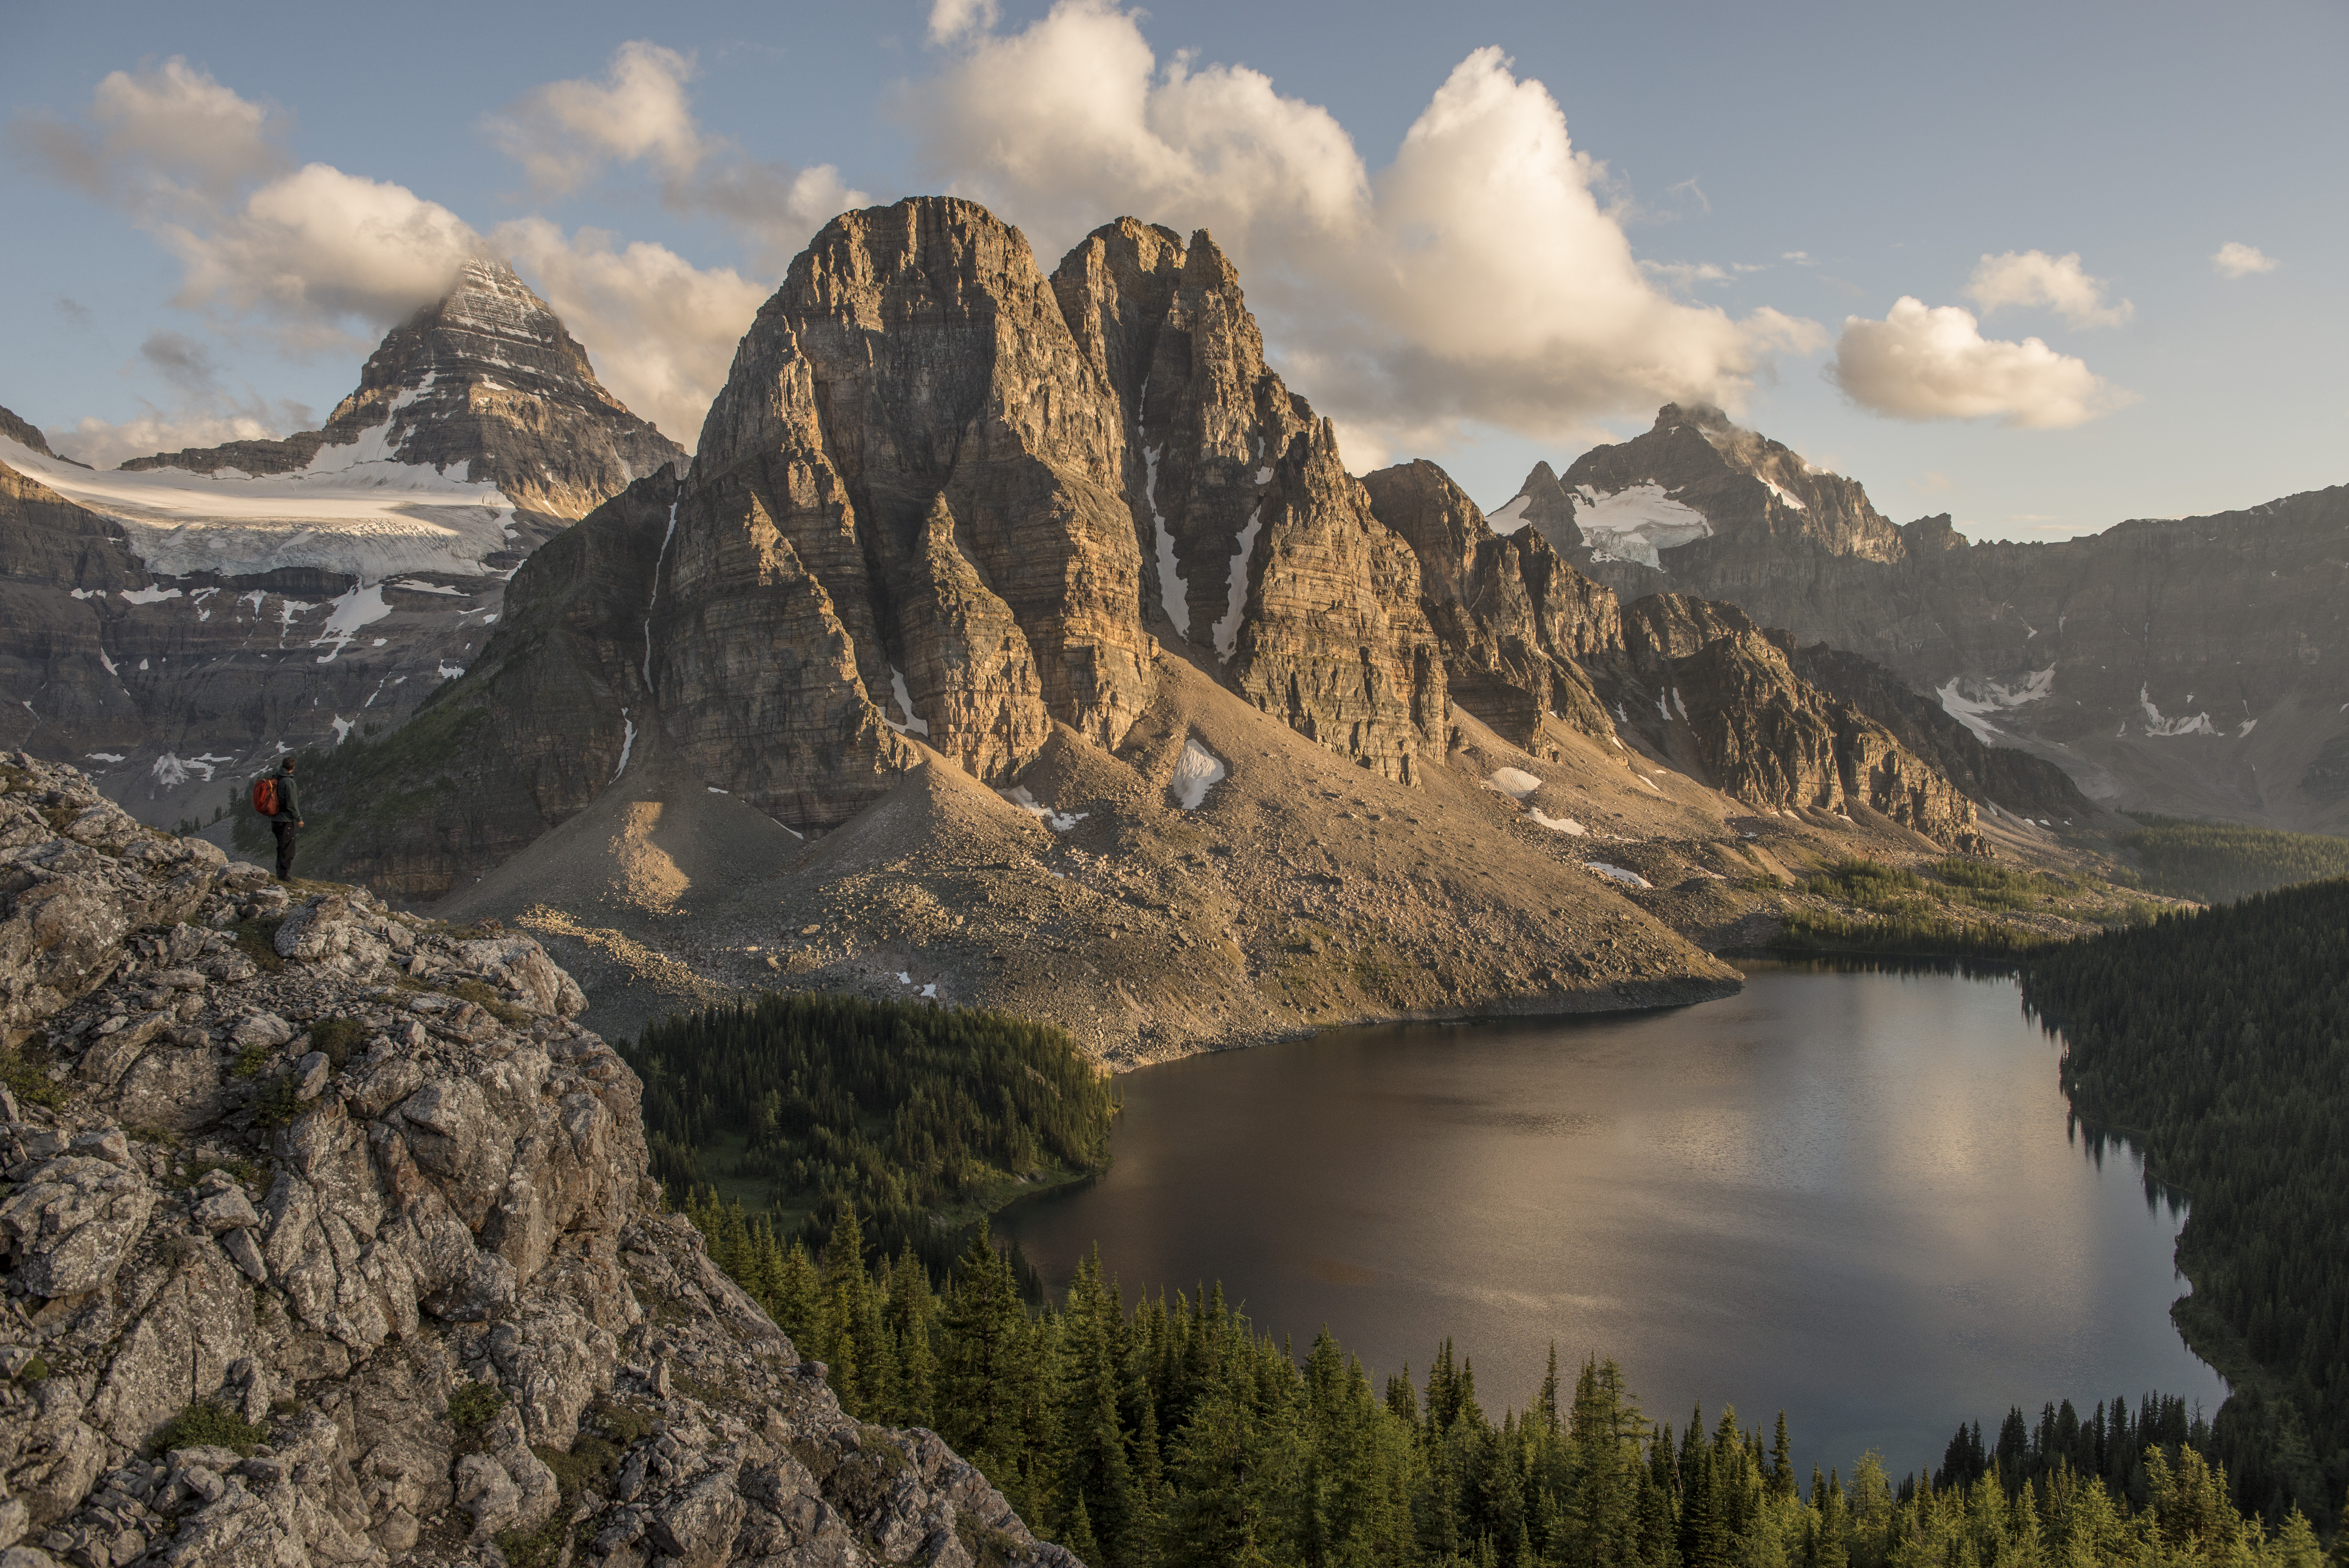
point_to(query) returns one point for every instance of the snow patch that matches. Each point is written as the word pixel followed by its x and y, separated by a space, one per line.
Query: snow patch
pixel 1566 825
pixel 904 701
pixel 654 598
pixel 1514 782
pixel 1196 771
pixel 1637 523
pixel 1617 874
pixel 1971 702
pixel 1512 517
pixel 1228 630
pixel 107 663
pixel 627 744
pixel 412 585
pixel 2156 725
pixel 1785 496
pixel 1058 822
pixel 150 595
pixel 714 789
pixel 171 771
pixel 2246 727
pixel 104 756
pixel 1171 586
pixel 362 606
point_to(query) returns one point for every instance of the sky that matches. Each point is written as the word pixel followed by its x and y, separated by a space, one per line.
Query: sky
pixel 2043 268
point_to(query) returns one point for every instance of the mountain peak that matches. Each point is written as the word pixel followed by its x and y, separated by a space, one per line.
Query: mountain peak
pixel 485 380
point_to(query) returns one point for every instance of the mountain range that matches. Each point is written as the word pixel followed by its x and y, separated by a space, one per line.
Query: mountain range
pixel 1020 638
pixel 2192 667
pixel 197 613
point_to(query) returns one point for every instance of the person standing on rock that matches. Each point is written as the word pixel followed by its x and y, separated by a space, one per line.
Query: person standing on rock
pixel 287 824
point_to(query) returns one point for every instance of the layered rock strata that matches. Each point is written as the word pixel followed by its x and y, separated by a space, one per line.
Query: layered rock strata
pixel 405 1234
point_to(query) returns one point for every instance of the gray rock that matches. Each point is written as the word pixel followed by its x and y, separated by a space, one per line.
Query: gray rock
pixel 265 1029
pixel 71 1222
pixel 226 1211
pixel 310 1075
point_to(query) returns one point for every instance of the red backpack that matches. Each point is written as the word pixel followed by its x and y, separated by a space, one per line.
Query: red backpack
pixel 264 794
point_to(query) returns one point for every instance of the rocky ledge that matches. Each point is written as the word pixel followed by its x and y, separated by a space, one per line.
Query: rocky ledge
pixel 328 1238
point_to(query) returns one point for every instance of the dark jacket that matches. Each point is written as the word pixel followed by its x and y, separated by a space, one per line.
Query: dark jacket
pixel 289 809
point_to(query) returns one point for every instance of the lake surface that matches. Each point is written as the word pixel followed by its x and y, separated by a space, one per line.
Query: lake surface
pixel 1851 1196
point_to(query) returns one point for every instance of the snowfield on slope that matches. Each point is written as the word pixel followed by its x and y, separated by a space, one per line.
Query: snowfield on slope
pixel 1634 524
pixel 353 510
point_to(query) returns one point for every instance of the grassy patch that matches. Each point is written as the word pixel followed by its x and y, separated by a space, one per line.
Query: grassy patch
pixel 473 1407
pixel 336 1038
pixel 207 1424
pixel 250 1061
pixel 26 1075
pixel 279 1103
pixel 486 998
pixel 35 1371
pixel 257 940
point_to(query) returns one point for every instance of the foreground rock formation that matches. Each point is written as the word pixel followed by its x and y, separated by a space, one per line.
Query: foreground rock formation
pixel 2189 666
pixel 358 1192
pixel 176 622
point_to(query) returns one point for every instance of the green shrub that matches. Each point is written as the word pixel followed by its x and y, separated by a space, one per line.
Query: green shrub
pixel 280 1103
pixel 207 1424
pixel 474 1407
pixel 250 1061
pixel 26 1077
pixel 257 940
pixel 483 996
pixel 337 1038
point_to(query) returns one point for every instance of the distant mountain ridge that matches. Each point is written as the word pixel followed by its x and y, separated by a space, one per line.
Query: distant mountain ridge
pixel 196 612
pixel 2194 665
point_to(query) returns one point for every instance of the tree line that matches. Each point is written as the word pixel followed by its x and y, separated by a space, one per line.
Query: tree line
pixel 2216 1042
pixel 909 1114
pixel 1167 1433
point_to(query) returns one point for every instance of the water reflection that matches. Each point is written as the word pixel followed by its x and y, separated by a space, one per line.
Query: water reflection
pixel 1853 1195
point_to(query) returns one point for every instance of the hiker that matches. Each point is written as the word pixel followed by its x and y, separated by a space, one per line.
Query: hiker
pixel 286 822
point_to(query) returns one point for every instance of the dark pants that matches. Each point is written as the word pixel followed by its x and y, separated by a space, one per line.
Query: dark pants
pixel 287 830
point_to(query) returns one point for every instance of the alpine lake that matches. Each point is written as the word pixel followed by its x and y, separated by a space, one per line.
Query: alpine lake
pixel 1857 1196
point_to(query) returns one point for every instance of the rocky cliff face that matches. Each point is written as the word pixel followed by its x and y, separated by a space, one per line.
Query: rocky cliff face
pixel 1529 641
pixel 401 1239
pixel 191 614
pixel 2184 665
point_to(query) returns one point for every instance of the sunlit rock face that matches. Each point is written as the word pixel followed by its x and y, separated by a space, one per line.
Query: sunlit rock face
pixel 184 616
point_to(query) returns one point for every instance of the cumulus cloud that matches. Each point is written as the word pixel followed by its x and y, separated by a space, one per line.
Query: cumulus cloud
pixel 2237 259
pixel 103 444
pixel 1477 276
pixel 154 134
pixel 302 250
pixel 2034 278
pixel 568 134
pixel 660 331
pixel 1922 363
pixel 954 19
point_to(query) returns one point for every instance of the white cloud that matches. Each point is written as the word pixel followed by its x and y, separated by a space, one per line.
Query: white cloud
pixel 568 133
pixel 2237 259
pixel 953 20
pixel 660 331
pixel 157 134
pixel 303 251
pixel 1921 362
pixel 102 444
pixel 564 133
pixel 2032 278
pixel 1476 277
pixel 312 249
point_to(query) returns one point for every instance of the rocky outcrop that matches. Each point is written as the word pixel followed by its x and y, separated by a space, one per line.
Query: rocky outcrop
pixel 1259 549
pixel 1512 617
pixel 405 1263
pixel 2187 666
pixel 324 584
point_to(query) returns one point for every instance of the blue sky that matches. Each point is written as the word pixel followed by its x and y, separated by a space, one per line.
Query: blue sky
pixel 1431 265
